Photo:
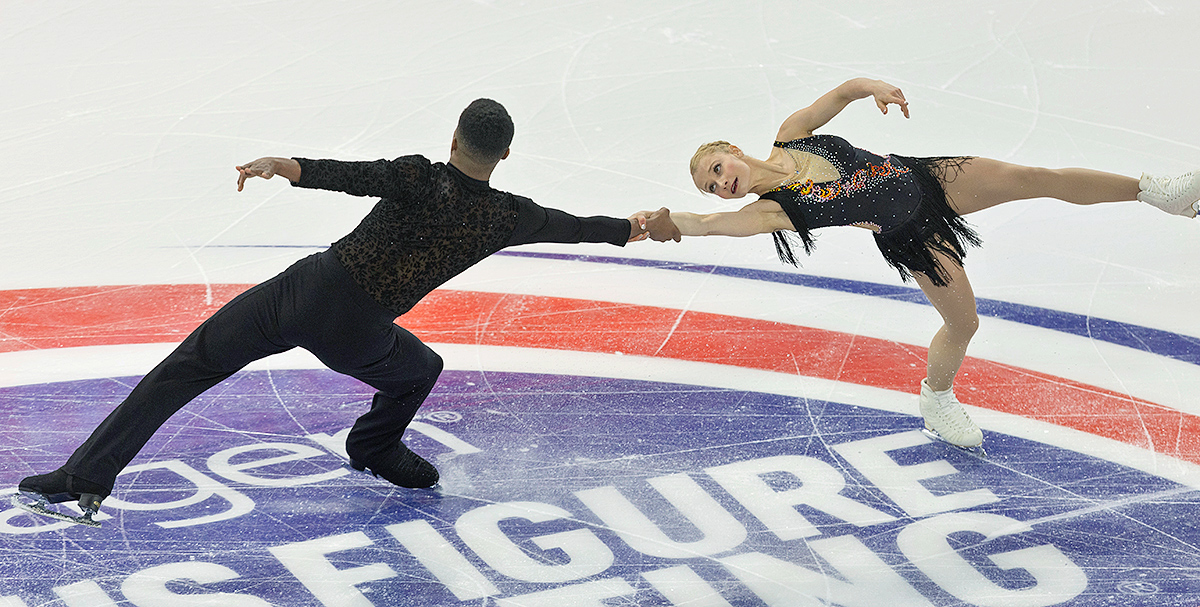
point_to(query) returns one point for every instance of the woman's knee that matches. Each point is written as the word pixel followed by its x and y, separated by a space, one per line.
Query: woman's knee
pixel 956 305
pixel 964 325
pixel 959 317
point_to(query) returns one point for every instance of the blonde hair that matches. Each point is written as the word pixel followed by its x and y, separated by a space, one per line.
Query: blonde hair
pixel 706 149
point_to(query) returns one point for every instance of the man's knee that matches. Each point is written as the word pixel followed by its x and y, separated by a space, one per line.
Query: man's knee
pixel 422 369
pixel 434 363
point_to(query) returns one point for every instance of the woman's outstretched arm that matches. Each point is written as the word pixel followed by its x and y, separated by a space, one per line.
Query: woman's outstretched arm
pixel 803 122
pixel 758 217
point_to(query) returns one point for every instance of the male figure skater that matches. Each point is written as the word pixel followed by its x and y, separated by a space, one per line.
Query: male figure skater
pixel 433 221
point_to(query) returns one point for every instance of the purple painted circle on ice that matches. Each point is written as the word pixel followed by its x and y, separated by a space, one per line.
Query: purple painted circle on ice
pixel 558 449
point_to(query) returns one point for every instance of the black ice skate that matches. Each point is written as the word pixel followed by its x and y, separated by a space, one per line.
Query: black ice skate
pixel 399 466
pixel 38 492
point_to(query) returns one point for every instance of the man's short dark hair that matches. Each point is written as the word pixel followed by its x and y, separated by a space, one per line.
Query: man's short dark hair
pixel 486 129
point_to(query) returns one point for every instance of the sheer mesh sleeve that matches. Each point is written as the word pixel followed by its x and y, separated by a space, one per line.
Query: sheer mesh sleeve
pixel 378 178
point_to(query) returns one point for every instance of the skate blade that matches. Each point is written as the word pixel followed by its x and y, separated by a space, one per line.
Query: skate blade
pixel 977 449
pixel 40 506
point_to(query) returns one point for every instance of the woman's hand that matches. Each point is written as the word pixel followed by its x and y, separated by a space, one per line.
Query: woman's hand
pixel 885 94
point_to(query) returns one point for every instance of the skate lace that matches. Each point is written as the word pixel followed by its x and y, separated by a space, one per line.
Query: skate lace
pixel 951 413
pixel 1173 187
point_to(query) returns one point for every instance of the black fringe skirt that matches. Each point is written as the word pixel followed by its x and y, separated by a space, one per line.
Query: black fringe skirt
pixel 933 228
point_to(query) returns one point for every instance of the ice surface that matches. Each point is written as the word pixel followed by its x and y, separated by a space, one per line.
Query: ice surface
pixel 121 125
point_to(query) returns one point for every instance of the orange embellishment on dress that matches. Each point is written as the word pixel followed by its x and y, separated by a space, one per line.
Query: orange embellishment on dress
pixel 860 180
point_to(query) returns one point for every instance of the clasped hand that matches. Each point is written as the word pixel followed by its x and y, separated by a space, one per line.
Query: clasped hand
pixel 655 225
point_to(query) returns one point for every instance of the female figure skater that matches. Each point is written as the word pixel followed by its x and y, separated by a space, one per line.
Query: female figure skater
pixel 913 205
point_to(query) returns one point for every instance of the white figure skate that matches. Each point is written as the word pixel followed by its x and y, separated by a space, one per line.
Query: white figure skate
pixel 1175 195
pixel 947 421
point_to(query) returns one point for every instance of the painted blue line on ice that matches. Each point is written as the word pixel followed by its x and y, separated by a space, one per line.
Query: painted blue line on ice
pixel 1164 343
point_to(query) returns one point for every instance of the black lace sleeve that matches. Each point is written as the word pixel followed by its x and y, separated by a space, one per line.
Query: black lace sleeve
pixel 536 223
pixel 377 178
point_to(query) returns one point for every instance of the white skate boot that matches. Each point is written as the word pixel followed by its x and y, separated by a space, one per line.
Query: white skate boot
pixel 947 421
pixel 1175 195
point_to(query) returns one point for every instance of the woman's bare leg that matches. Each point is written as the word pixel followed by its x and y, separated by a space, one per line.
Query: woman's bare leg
pixel 984 183
pixel 941 411
pixel 955 302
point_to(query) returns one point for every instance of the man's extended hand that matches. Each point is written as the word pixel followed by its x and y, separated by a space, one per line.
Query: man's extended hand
pixel 268 168
pixel 637 227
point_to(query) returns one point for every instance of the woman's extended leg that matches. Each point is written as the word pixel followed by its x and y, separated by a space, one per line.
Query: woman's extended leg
pixel 984 183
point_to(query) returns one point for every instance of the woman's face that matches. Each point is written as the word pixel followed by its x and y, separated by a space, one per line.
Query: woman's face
pixel 723 173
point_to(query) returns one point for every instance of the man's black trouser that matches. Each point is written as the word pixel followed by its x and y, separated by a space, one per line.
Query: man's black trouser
pixel 314 305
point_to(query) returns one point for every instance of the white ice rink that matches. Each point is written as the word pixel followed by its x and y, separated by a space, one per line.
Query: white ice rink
pixel 121 123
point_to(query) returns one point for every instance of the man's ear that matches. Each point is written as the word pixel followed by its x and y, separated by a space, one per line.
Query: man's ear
pixel 506 151
pixel 454 143
pixel 736 151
